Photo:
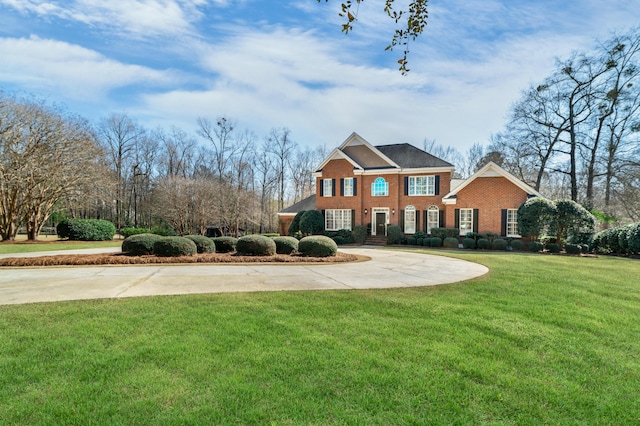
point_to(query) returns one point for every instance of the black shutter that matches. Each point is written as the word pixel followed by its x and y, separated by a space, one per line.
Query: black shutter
pixel 406 185
pixel 456 221
pixel 341 187
pixel 402 220
pixel 441 217
pixel 321 187
pixel 333 187
pixel 355 186
pixel 353 219
pixel 437 185
pixel 475 220
pixel 503 224
pixel 425 221
pixel 417 220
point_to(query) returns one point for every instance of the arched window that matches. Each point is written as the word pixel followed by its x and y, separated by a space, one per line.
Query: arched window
pixel 410 220
pixel 433 218
pixel 379 188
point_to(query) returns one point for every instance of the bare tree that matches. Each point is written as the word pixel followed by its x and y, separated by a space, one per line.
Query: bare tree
pixel 281 146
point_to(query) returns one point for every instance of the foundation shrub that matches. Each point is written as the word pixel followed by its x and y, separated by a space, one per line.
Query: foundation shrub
pixel 312 222
pixel 203 244
pixel 317 246
pixel 499 244
pixel 225 244
pixel 450 242
pixel 436 242
pixel 445 232
pixel 633 238
pixel 360 234
pixel 174 246
pixel 517 245
pixel 420 234
pixel 286 245
pixel 256 245
pixel 139 244
pixel 553 248
pixel 426 242
pixel 295 224
pixel 394 234
pixel 484 244
pixel 420 241
pixel 412 241
pixel 573 248
pixel 469 243
pixel 342 236
pixel 535 247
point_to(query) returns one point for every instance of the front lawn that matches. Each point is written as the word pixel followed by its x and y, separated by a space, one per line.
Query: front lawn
pixel 7 247
pixel 539 340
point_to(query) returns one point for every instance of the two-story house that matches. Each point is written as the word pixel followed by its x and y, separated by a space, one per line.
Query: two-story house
pixel 362 184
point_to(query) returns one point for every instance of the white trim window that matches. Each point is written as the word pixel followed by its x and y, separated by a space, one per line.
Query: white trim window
pixel 422 185
pixel 348 187
pixel 466 221
pixel 410 220
pixel 433 218
pixel 512 223
pixel 380 188
pixel 327 187
pixel 336 219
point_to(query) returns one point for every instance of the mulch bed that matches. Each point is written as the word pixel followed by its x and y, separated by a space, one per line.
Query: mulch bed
pixel 121 259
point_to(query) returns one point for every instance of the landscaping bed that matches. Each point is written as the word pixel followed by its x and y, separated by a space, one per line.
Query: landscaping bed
pixel 122 259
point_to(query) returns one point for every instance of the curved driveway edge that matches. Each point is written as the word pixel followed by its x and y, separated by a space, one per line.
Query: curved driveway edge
pixel 386 269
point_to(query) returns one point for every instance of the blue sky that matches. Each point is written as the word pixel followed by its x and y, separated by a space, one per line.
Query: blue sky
pixel 270 64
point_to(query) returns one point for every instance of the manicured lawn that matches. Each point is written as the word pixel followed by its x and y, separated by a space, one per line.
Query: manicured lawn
pixel 539 340
pixel 50 245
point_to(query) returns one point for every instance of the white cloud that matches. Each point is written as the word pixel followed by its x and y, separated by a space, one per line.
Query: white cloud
pixel 69 70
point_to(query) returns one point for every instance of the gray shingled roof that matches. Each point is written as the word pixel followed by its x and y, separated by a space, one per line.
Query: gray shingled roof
pixel 409 157
pixel 308 203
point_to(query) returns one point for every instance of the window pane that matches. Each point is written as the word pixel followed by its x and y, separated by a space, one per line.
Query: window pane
pixel 327 187
pixel 348 187
pixel 421 185
pixel 410 220
pixel 379 188
pixel 466 221
pixel 433 218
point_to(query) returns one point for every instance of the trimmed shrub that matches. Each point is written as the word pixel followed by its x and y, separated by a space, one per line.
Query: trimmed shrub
pixel 203 244
pixel 445 232
pixel 412 241
pixel 286 245
pixel 573 248
pixel 633 238
pixel 271 235
pixel 164 231
pixel 483 244
pixel 535 247
pixel 420 234
pixel 394 234
pixel 174 246
pixel 553 247
pixel 312 222
pixel 256 245
pixel 436 242
pixel 345 236
pixel 469 243
pixel 517 245
pixel 317 246
pixel 426 242
pixel 420 241
pixel 225 244
pixel 139 244
pixel 450 242
pixel 127 232
pixel 499 244
pixel 86 229
pixel 360 234
pixel 295 224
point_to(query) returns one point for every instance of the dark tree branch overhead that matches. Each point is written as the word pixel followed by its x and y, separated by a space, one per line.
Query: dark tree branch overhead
pixel 414 20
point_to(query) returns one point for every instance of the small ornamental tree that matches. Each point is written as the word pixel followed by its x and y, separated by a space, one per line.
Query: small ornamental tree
pixel 534 217
pixel 295 224
pixel 312 222
pixel 570 219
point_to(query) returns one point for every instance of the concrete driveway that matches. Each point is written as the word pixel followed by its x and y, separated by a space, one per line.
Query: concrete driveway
pixel 386 269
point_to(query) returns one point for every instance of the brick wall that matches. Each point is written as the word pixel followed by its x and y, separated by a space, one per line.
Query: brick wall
pixel 489 195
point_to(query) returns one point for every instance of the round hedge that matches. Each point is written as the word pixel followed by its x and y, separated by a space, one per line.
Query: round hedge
pixel 286 245
pixel 203 244
pixel 573 248
pixel 256 245
pixel 469 243
pixel 535 246
pixel 499 244
pixel 436 242
pixel 317 246
pixel 139 244
pixel 450 242
pixel 225 244
pixel 483 243
pixel 517 245
pixel 174 246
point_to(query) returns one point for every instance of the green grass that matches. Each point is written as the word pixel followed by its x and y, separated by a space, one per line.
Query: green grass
pixel 539 340
pixel 23 247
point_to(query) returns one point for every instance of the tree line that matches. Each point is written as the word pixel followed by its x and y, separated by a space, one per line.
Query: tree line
pixel 54 164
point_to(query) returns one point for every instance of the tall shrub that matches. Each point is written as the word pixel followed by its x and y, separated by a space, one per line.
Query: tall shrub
pixel 534 216
pixel 394 234
pixel 295 224
pixel 570 219
pixel 312 222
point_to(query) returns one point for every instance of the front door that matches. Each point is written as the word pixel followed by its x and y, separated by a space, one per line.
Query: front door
pixel 381 219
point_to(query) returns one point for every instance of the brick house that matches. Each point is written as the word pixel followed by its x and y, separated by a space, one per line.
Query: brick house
pixel 399 184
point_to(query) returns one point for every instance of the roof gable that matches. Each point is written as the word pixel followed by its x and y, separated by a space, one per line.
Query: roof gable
pixel 365 154
pixel 337 154
pixel 490 170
